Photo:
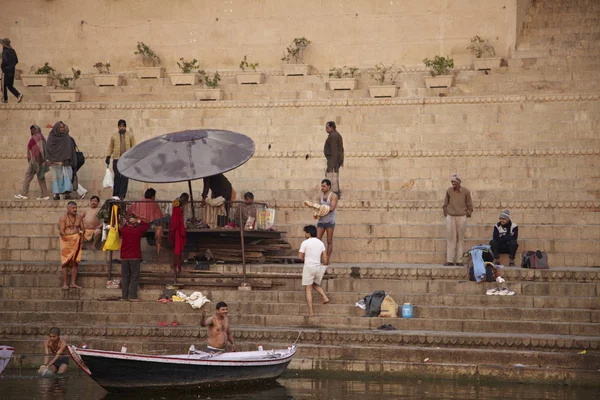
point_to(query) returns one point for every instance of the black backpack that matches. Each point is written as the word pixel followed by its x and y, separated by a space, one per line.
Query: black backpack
pixel 373 303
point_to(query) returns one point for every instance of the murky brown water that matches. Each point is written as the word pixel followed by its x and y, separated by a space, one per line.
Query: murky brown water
pixel 26 385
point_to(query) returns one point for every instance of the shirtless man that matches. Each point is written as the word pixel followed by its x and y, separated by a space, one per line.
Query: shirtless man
pixel 91 223
pixel 71 234
pixel 57 357
pixel 218 330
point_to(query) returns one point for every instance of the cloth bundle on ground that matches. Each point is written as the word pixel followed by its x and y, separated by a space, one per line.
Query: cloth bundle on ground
pixel 195 300
pixel 320 209
pixel 212 209
pixel 373 303
pixel 389 308
pixel 479 255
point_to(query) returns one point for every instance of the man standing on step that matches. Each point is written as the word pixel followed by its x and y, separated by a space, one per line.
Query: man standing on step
pixel 36 158
pixel 131 257
pixel 9 63
pixel 71 239
pixel 119 143
pixel 312 250
pixel 91 223
pixel 327 222
pixel 457 208
pixel 334 153
pixel 218 330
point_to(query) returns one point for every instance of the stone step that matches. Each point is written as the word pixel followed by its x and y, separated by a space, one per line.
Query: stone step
pixel 29 348
pixel 138 335
pixel 187 316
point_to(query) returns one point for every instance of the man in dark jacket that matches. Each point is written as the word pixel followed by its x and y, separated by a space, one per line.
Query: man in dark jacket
pixel 334 153
pixel 9 62
pixel 504 241
pixel 219 186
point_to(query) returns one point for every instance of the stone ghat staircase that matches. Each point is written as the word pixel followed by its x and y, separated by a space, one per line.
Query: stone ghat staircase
pixel 457 331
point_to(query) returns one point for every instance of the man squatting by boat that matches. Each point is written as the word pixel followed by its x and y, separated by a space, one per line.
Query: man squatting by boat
pixel 218 330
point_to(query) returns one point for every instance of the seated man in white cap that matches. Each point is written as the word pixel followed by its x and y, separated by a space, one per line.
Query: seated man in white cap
pixel 505 236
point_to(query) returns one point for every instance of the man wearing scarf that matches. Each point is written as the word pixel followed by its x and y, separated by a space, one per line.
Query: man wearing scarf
pixel 61 153
pixel 119 143
pixel 36 158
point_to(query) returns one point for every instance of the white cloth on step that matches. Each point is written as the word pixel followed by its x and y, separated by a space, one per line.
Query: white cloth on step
pixel 197 300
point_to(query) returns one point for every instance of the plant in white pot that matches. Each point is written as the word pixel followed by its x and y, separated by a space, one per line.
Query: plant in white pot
pixel 104 77
pixel 294 58
pixel 343 78
pixel 43 76
pixel 249 75
pixel 65 91
pixel 485 54
pixel 189 75
pixel 384 74
pixel 151 61
pixel 212 93
pixel 441 72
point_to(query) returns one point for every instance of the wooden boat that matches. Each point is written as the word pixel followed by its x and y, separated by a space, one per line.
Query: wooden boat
pixel 6 353
pixel 119 372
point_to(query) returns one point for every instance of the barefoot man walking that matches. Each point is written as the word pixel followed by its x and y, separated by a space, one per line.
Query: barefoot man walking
pixel 311 251
pixel 218 330
pixel 71 239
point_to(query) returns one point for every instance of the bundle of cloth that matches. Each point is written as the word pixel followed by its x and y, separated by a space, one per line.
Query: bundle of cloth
pixel 212 209
pixel 320 210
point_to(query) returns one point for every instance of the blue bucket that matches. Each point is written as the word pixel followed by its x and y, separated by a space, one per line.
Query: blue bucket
pixel 407 310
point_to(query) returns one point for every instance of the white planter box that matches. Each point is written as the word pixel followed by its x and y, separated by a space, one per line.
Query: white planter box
pixel 383 91
pixel 250 78
pixel 64 95
pixel 179 78
pixel 37 80
pixel 484 64
pixel 342 83
pixel 108 79
pixel 209 94
pixel 296 69
pixel 440 81
pixel 150 72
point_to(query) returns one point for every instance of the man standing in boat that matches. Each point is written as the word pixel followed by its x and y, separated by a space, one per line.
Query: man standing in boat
pixel 218 330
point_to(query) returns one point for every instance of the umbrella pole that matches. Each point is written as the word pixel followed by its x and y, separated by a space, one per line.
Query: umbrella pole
pixel 242 240
pixel 192 202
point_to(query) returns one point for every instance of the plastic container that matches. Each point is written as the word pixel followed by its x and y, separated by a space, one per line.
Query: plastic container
pixel 124 349
pixel 192 349
pixel 407 310
pixel 84 346
pixel 260 348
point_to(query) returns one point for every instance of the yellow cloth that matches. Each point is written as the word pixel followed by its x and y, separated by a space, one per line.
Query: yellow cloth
pixel 320 209
pixel 70 249
pixel 88 235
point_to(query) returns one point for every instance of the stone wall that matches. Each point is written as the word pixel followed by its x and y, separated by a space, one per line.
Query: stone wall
pixel 218 33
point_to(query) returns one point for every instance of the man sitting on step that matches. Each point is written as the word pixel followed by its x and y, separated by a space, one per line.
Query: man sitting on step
pixel 505 236
pixel 91 223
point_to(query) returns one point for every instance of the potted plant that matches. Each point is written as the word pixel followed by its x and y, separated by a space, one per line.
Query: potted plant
pixel 250 77
pixel 382 74
pixel 151 68
pixel 485 55
pixel 187 76
pixel 212 93
pixel 65 91
pixel 42 76
pixel 441 72
pixel 295 58
pixel 104 77
pixel 343 78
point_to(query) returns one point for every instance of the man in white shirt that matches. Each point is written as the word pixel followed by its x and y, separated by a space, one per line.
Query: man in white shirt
pixel 311 251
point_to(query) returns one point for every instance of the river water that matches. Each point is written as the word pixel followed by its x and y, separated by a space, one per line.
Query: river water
pixel 26 385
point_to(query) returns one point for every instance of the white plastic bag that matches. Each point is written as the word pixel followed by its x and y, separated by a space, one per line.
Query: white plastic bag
pixel 108 181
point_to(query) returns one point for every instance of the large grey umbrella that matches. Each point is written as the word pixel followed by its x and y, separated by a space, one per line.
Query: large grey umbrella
pixel 186 155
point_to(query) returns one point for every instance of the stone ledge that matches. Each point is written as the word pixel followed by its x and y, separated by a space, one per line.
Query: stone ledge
pixel 323 337
pixel 366 204
pixel 394 153
pixel 169 105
